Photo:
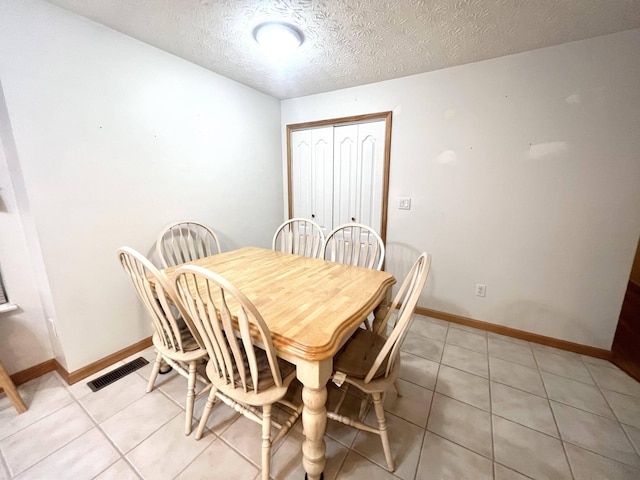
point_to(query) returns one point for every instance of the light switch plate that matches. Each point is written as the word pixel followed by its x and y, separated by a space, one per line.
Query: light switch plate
pixel 405 203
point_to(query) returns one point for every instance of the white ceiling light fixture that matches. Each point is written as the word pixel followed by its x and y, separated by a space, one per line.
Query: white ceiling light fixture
pixel 278 39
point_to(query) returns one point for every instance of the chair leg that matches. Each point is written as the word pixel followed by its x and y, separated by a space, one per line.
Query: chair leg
pixel 364 403
pixel 382 424
pixel 191 397
pixel 10 389
pixel 266 441
pixel 205 414
pixel 344 388
pixel 154 372
pixel 396 385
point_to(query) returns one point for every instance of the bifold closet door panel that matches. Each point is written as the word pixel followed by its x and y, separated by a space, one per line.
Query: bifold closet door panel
pixel 359 174
pixel 312 175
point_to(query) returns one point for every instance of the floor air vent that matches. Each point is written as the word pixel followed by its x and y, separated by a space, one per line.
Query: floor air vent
pixel 117 374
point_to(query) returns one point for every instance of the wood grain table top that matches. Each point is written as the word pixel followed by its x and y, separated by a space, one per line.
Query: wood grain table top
pixel 309 305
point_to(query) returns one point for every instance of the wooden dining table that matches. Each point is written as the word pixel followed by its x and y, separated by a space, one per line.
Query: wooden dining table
pixel 311 308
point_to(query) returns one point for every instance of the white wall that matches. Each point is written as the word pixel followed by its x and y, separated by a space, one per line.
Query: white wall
pixel 524 174
pixel 24 340
pixel 114 140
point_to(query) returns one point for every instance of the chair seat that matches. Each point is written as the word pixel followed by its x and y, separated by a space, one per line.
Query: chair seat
pixel 357 356
pixel 265 382
pixel 192 350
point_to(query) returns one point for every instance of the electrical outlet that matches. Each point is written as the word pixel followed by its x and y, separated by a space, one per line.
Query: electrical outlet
pixel 481 289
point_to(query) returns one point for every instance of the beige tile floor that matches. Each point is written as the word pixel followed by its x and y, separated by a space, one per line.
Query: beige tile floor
pixel 474 406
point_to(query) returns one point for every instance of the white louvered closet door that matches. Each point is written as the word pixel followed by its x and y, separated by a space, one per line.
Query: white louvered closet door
pixel 312 175
pixel 359 174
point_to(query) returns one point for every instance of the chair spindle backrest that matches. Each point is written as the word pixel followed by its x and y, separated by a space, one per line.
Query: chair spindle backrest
pixel 226 319
pixel 405 302
pixel 183 242
pixel 354 244
pixel 299 236
pixel 157 295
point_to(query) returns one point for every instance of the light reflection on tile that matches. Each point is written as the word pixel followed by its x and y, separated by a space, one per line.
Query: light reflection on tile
pixel 504 473
pixel 511 352
pixel 626 408
pixel 356 466
pixel 84 457
pixel 514 444
pixel 418 370
pixel 441 458
pixel 30 445
pixel 465 359
pixel 108 401
pixel 467 339
pixel 517 376
pixel 423 327
pixel 594 433
pixel 615 380
pixel 120 470
pixel 413 405
pixel 462 424
pixel 524 408
pixel 42 396
pixel 167 451
pixel 464 386
pixel 634 435
pixel 576 394
pixel 137 421
pixel 405 438
pixel 588 465
pixel 286 463
pixel 220 458
pixel 561 365
pixel 423 347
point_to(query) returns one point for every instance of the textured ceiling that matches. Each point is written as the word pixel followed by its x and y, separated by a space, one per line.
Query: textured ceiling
pixel 354 42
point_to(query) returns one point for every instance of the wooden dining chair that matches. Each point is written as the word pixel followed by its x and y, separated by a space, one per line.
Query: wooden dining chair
pixel 354 244
pixel 370 361
pixel 175 339
pixel 299 236
pixel 247 378
pixel 181 242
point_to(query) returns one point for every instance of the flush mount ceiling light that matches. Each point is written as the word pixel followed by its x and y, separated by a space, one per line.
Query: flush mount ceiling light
pixel 278 38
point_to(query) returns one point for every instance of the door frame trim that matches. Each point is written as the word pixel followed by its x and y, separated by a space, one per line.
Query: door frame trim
pixel 386 116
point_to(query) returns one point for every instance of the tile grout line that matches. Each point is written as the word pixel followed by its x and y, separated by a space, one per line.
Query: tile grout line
pixel 122 454
pixel 182 412
pixel 48 414
pixel 67 443
pixel 63 384
pixel 341 466
pixel 620 424
pixel 493 443
pixel 553 415
pixel 462 446
pixel 513 469
pixel 104 434
pixel 433 394
pixel 3 464
pixel 598 415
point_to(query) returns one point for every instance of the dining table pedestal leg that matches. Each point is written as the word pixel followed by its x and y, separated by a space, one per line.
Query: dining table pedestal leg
pixel 314 377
